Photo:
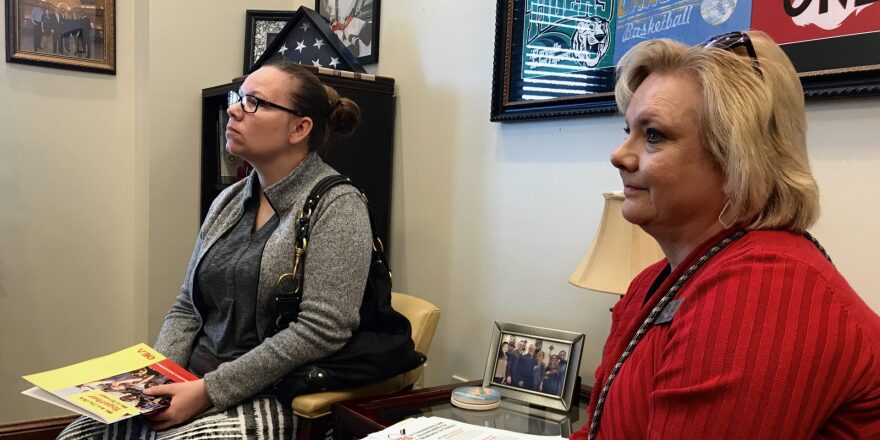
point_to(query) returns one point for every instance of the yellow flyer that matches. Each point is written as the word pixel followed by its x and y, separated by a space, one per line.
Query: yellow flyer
pixel 109 388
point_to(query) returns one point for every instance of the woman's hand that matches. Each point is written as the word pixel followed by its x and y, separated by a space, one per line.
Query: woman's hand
pixel 188 399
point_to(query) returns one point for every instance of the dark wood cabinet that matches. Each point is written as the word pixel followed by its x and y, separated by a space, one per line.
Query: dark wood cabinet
pixel 365 156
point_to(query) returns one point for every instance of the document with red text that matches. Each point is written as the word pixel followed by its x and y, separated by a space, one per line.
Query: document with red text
pixel 439 428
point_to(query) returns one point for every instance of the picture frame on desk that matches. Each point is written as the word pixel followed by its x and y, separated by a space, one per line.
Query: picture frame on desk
pixel 535 365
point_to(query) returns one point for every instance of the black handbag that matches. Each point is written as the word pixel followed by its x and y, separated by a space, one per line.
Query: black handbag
pixel 381 347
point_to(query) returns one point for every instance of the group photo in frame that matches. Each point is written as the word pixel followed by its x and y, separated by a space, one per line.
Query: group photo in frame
pixel 556 58
pixel 65 34
pixel 356 23
pixel 534 365
pixel 261 28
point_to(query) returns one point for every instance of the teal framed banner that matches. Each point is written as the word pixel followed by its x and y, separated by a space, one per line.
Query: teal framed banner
pixel 552 59
pixel 556 58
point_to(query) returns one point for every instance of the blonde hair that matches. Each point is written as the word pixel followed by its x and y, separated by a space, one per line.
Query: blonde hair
pixel 752 125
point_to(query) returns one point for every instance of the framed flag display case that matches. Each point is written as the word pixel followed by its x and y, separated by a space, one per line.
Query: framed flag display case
pixel 308 40
pixel 556 58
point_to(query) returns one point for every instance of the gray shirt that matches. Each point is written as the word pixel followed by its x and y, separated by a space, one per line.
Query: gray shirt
pixel 227 282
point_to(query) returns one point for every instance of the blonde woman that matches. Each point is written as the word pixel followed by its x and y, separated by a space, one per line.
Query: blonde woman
pixel 746 330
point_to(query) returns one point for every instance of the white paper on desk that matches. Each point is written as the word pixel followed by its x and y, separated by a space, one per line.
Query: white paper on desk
pixel 439 428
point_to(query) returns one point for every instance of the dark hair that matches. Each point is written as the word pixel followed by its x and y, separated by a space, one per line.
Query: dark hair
pixel 501 352
pixel 329 111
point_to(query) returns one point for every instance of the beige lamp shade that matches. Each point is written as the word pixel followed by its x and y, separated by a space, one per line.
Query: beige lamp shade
pixel 619 252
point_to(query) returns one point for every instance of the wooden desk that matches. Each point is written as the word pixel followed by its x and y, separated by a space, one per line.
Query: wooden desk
pixel 356 419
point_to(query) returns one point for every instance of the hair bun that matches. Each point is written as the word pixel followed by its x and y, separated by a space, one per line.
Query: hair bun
pixel 344 113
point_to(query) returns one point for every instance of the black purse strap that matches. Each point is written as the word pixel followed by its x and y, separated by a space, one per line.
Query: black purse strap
pixel 289 287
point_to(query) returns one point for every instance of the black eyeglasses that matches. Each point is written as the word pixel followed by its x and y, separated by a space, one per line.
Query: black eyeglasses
pixel 250 103
pixel 733 40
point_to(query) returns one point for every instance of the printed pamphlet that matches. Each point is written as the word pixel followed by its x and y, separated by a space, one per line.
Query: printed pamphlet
pixel 109 388
pixel 439 428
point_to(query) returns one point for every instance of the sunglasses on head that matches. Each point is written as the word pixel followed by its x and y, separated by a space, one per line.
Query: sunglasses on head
pixel 733 40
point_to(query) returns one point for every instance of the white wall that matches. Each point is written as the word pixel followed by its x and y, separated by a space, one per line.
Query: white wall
pixel 99 196
pixel 66 217
pixel 490 219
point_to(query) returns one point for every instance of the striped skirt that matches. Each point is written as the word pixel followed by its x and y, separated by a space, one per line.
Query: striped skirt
pixel 259 418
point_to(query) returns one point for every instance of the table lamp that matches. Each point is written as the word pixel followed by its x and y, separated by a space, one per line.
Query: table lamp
pixel 619 252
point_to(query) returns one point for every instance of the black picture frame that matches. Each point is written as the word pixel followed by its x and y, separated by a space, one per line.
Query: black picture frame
pixel 261 26
pixel 369 13
pixel 832 67
pixel 509 16
pixel 558 396
pixel 86 35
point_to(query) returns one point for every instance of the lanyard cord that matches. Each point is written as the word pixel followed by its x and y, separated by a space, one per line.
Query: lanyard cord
pixel 649 321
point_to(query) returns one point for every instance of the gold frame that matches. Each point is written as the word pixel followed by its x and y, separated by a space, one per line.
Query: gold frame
pixel 14 53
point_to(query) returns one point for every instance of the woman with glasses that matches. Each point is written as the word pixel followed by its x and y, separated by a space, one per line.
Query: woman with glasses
pixel 745 330
pixel 221 325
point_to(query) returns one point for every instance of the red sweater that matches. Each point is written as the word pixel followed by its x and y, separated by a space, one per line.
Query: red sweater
pixel 770 342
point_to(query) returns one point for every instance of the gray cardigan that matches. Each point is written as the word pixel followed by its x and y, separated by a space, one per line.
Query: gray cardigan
pixel 335 273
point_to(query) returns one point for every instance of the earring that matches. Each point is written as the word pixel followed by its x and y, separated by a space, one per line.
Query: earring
pixel 720 219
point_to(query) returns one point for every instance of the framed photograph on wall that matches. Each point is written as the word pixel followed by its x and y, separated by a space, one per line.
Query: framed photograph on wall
pixel 557 58
pixel 261 28
pixel 535 365
pixel 61 34
pixel 356 23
